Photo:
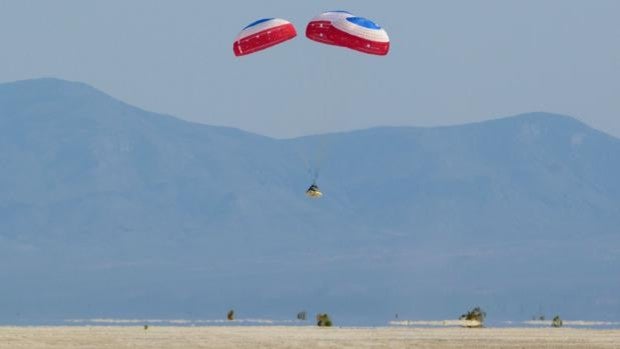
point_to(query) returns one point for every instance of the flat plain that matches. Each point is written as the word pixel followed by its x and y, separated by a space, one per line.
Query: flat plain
pixel 169 337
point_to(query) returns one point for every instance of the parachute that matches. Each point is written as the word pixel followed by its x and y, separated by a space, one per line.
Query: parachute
pixel 341 28
pixel 263 34
pixel 364 35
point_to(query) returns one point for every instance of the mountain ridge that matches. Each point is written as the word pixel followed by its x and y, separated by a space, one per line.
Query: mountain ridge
pixel 52 84
pixel 116 211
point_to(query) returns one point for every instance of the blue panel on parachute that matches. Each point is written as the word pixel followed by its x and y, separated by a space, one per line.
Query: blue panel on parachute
pixel 258 22
pixel 363 22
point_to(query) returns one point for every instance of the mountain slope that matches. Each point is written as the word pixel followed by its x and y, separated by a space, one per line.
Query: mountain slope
pixel 109 210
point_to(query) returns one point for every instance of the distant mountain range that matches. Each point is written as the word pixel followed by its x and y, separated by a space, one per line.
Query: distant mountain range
pixel 107 210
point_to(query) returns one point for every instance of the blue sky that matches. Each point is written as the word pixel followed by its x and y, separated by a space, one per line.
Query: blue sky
pixel 451 61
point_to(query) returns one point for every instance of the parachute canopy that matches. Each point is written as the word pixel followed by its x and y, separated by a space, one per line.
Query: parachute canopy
pixel 341 28
pixel 320 28
pixel 263 34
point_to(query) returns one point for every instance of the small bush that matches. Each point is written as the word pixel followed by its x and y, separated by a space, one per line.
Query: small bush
pixel 323 320
pixel 557 322
pixel 474 317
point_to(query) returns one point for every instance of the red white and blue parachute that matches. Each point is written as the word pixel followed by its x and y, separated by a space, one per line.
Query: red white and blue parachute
pixel 338 28
pixel 263 34
pixel 361 34
pixel 343 29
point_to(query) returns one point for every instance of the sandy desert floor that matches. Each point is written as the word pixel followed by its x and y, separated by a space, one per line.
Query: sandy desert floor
pixel 302 337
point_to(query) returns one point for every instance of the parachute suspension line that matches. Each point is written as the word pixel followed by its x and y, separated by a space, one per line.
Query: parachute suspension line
pixel 310 169
pixel 313 149
pixel 327 108
pixel 303 149
pixel 314 174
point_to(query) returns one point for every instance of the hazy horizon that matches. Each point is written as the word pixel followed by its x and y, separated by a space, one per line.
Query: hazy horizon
pixel 450 63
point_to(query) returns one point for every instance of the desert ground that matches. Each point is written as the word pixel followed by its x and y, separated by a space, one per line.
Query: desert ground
pixel 85 337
